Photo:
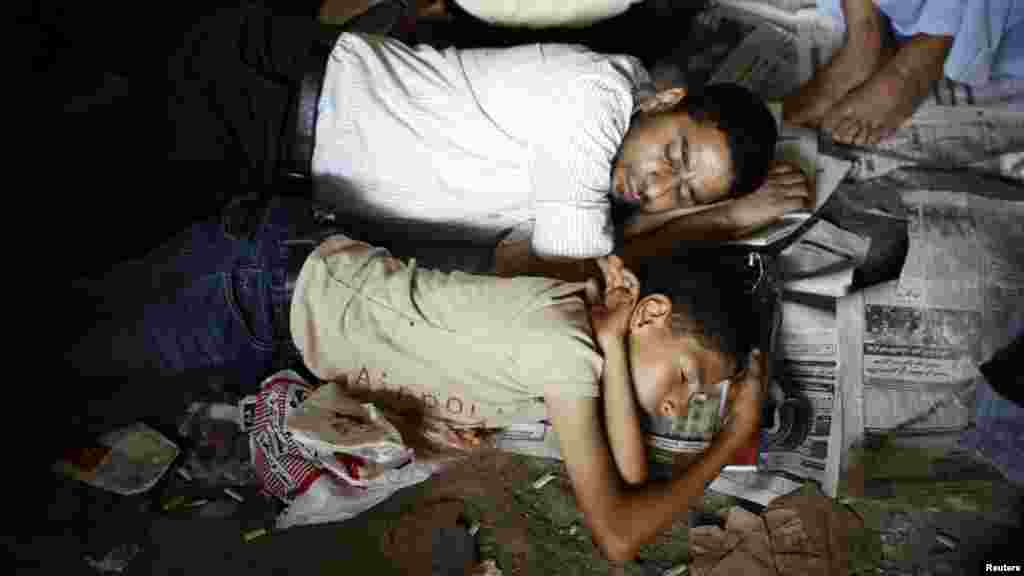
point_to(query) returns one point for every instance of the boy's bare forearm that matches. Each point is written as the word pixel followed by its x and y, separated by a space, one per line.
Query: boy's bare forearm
pixel 643 512
pixel 621 414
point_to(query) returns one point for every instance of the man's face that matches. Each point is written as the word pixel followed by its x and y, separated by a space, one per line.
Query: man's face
pixel 668 369
pixel 668 160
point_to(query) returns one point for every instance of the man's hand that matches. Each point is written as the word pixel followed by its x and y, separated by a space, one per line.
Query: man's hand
pixel 610 313
pixel 785 190
pixel 748 394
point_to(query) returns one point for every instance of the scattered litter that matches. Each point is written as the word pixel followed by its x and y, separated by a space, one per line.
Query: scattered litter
pixel 947 540
pixel 676 571
pixel 218 509
pixel 234 495
pixel 125 461
pixel 573 530
pixel 474 528
pixel 220 454
pixel 487 568
pixel 116 560
pixel 173 503
pixel 254 534
pixel 184 474
pixel 198 503
pixel 543 481
pixel 325 455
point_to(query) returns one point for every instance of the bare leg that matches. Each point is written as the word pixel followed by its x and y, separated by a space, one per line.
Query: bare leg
pixel 879 106
pixel 864 52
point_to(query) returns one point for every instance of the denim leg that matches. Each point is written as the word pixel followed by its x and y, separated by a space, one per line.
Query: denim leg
pixel 198 305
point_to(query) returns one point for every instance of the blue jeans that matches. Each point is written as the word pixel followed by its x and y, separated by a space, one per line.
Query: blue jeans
pixel 210 303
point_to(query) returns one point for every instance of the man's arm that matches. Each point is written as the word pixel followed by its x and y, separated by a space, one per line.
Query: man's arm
pixel 785 190
pixel 622 518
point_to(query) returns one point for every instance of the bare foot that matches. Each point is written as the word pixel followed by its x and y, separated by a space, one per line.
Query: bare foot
pixel 863 53
pixel 878 107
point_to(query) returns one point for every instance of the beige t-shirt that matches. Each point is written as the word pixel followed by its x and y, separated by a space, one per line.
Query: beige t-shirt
pixel 479 350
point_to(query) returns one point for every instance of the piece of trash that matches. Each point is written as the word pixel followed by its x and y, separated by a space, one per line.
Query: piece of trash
pixel 543 481
pixel 218 509
pixel 125 461
pixel 173 503
pixel 474 528
pixel 254 534
pixel 947 541
pixel 487 568
pixel 234 495
pixel 676 571
pixel 198 503
pixel 184 474
pixel 573 530
pixel 116 560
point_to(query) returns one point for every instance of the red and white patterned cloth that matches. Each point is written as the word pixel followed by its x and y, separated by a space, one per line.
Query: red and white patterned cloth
pixel 286 468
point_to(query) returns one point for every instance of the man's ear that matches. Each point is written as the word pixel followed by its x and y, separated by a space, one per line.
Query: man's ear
pixel 663 100
pixel 652 311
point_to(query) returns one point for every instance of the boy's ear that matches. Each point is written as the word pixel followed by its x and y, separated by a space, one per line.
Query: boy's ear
pixel 651 311
pixel 662 100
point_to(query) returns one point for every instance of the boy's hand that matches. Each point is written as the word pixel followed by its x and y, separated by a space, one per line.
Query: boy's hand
pixel 785 190
pixel 747 398
pixel 610 313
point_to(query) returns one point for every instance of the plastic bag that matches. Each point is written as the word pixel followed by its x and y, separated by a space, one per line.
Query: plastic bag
pixel 324 454
pixel 220 454
pixel 350 439
pixel 126 461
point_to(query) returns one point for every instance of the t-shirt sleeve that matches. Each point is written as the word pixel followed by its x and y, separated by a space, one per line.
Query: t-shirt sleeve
pixel 586 116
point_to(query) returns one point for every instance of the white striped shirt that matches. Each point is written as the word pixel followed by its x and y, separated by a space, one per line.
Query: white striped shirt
pixel 492 139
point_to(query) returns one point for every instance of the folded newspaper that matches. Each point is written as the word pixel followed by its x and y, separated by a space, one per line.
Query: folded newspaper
pixel 915 342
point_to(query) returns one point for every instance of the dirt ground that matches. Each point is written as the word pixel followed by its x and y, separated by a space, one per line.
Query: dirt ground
pixel 526 530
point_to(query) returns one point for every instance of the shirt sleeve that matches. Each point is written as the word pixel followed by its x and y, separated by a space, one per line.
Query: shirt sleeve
pixel 588 111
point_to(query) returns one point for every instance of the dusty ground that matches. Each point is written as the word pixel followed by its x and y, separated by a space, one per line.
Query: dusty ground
pixel 527 530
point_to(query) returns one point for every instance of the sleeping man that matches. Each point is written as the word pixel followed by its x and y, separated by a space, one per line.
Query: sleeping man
pixel 535 141
pixel 480 351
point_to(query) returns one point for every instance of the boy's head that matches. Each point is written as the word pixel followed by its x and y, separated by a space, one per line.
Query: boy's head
pixel 684 150
pixel 693 326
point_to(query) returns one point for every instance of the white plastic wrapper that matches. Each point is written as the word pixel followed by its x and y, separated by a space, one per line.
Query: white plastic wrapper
pixel 126 461
pixel 323 453
pixel 350 439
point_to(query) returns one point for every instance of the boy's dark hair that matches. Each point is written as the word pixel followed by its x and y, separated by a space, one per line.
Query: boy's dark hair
pixel 708 301
pixel 748 125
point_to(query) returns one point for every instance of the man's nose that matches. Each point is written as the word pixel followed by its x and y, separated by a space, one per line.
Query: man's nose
pixel 666 183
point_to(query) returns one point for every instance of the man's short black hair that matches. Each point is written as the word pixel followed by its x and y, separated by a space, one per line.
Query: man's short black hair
pixel 748 125
pixel 709 300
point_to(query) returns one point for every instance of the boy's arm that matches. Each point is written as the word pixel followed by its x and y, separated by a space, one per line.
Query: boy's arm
pixel 621 518
pixel 609 318
pixel 621 416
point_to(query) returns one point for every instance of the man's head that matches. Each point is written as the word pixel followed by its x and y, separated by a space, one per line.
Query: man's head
pixel 691 328
pixel 685 150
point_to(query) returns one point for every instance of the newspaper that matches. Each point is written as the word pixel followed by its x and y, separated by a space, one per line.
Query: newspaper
pixel 804 442
pixel 799 146
pixel 980 138
pixel 823 260
pixel 967 253
pixel 913 342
